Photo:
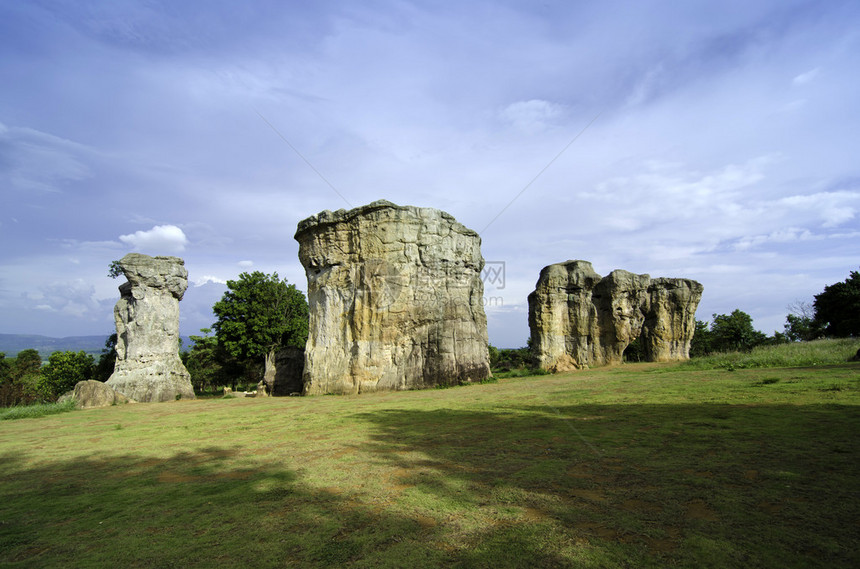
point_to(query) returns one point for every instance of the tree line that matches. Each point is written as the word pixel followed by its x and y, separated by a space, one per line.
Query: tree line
pixel 834 313
pixel 25 380
pixel 260 313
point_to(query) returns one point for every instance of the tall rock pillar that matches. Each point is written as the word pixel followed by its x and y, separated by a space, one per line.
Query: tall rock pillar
pixel 396 300
pixel 670 321
pixel 148 367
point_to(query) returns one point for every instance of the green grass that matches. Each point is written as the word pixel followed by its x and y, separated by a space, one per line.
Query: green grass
pixel 796 354
pixel 641 465
pixel 520 372
pixel 36 411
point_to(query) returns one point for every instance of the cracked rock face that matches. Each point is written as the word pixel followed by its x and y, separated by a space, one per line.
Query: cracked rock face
pixel 578 318
pixel 148 367
pixel 396 300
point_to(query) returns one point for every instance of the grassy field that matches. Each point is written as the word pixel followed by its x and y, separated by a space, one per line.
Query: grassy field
pixel 643 465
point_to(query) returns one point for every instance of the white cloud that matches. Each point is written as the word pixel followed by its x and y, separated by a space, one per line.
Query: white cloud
pixel 206 279
pixel 830 208
pixel 159 239
pixel 246 264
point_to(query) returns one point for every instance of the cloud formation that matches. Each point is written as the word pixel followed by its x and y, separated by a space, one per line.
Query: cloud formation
pixel 724 148
pixel 161 238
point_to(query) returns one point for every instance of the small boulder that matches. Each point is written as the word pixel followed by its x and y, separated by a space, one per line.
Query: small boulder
pixel 93 393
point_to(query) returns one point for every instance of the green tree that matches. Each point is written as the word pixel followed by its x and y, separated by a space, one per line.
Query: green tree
pixel 5 368
pixel 27 365
pixel 702 340
pixel 800 323
pixel 9 391
pixel 493 352
pixel 801 328
pixel 734 332
pixel 107 360
pixel 837 309
pixel 63 371
pixel 19 377
pixel 257 315
pixel 208 363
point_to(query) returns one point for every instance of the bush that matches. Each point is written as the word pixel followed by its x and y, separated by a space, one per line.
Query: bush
pixel 504 359
pixel 63 371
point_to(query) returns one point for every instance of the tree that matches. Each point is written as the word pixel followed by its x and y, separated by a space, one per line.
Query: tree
pixel 19 377
pixel 9 391
pixel 63 371
pixel 257 315
pixel 208 364
pixel 734 332
pixel 27 365
pixel 107 360
pixel 837 309
pixel 702 340
pixel 5 368
pixel 800 323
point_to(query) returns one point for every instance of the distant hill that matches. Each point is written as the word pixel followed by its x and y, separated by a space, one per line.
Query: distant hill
pixel 11 344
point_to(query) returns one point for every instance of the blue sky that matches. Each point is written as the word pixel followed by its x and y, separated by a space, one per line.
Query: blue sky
pixel 710 140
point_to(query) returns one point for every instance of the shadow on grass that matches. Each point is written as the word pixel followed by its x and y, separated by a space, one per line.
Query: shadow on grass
pixel 198 510
pixel 692 485
pixel 526 486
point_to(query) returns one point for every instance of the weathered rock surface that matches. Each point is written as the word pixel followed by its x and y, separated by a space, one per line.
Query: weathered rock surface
pixel 670 320
pixel 578 318
pixel 91 393
pixel 148 367
pixel 396 300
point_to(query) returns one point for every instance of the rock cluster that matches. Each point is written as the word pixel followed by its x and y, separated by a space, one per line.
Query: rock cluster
pixel 578 318
pixel 148 367
pixel 396 300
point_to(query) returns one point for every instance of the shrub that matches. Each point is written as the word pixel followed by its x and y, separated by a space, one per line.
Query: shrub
pixel 63 371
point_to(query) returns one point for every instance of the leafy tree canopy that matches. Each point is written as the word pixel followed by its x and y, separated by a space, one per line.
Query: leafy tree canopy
pixel 258 314
pixel 27 364
pixel 208 363
pixel 5 369
pixel 702 340
pixel 735 332
pixel 63 371
pixel 837 309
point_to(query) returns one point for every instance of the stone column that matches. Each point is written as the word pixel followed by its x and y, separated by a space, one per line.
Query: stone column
pixel 396 300
pixel 148 367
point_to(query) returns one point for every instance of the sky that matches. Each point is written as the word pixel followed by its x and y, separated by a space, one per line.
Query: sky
pixel 717 141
